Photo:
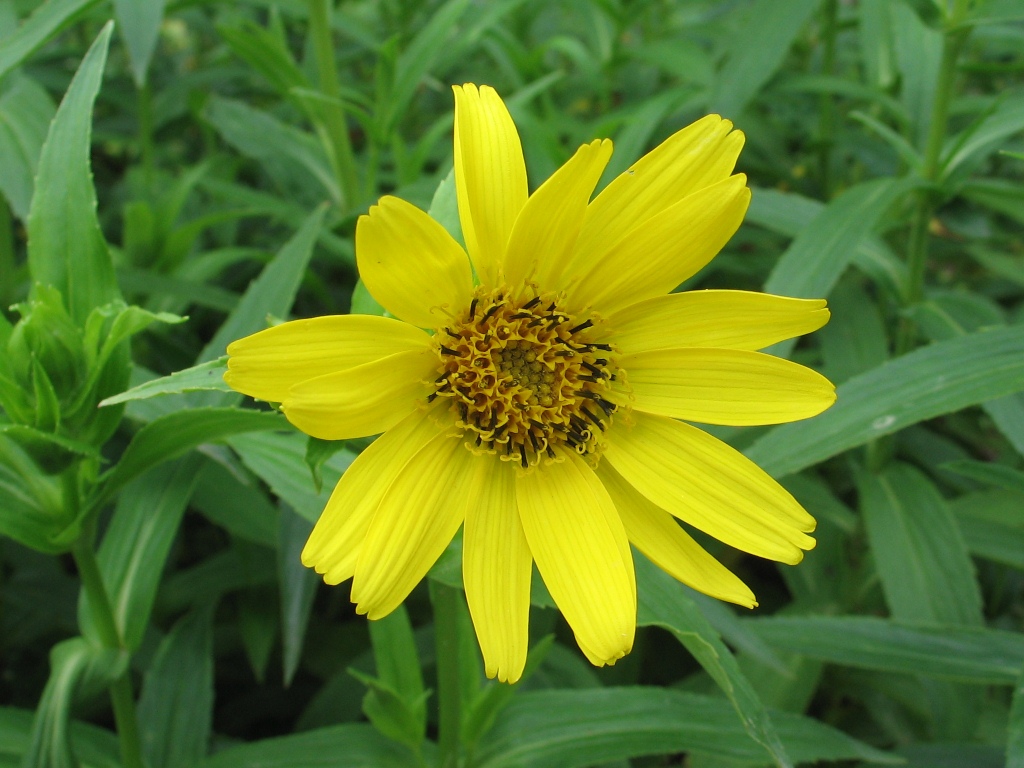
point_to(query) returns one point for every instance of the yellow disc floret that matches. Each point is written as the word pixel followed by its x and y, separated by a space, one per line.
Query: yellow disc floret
pixel 524 376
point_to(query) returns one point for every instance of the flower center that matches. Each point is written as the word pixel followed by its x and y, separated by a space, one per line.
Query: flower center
pixel 525 377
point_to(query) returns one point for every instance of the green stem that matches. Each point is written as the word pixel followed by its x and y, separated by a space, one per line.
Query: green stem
pixel 446 633
pixel 8 277
pixel 334 115
pixel 927 200
pixel 145 96
pixel 826 112
pixel 102 613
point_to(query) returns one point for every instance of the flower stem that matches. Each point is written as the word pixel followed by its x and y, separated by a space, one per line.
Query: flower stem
pixel 145 96
pixel 927 199
pixel 334 115
pixel 99 607
pixel 446 641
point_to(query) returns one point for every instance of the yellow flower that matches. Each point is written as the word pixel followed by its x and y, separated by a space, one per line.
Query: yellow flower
pixel 547 413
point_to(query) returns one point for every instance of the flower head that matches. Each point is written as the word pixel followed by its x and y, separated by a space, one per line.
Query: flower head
pixel 546 414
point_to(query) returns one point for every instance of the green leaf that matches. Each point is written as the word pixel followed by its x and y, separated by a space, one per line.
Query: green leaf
pixel 927 575
pixel 279 460
pixel 78 669
pixel 205 376
pixel 876 43
pixel 1015 728
pixel 298 587
pixel 985 136
pixel 992 523
pixel 341 746
pixel 444 207
pixel 26 110
pixel 93 746
pixel 933 380
pixel 66 248
pixel 664 603
pixel 32 512
pixel 967 654
pixel 999 475
pixel 264 52
pixel 234 500
pixel 47 20
pixel 176 704
pixel 272 293
pixel 854 341
pixel 172 435
pixel 573 729
pixel 918 51
pixel 136 544
pixel 758 48
pixel 140 26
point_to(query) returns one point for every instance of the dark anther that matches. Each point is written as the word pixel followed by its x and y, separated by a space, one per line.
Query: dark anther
pixel 472 308
pixel 535 322
pixel 592 368
pixel 532 302
pixel 508 448
pixel 597 422
pixel 522 456
pixel 565 353
pixel 551 454
pixel 601 361
pixel 521 315
pixel 431 397
pixel 494 421
pixel 581 326
pixel 551 307
pixel 576 437
pixel 447 387
pixel 498 430
pixel 479 441
pixel 446 351
pixel 592 379
pixel 604 347
pixel 558 427
pixel 452 333
pixel 442 377
pixel 533 441
pixel 607 407
pixel 463 412
pixel 539 425
pixel 490 312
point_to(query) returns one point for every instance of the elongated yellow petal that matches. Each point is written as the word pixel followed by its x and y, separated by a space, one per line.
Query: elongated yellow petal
pixel 269 363
pixel 490 176
pixel 582 553
pixel 724 319
pixel 410 263
pixel 695 157
pixel 417 518
pixel 655 533
pixel 333 546
pixel 496 570
pixel 545 232
pixel 364 400
pixel 725 386
pixel 709 485
pixel 662 251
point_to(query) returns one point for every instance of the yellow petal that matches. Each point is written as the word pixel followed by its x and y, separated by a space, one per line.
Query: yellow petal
pixel 364 400
pixel 709 485
pixel 496 571
pixel 725 319
pixel 725 386
pixel 269 363
pixel 582 553
pixel 490 176
pixel 655 533
pixel 664 250
pixel 698 156
pixel 546 230
pixel 410 264
pixel 333 546
pixel 417 518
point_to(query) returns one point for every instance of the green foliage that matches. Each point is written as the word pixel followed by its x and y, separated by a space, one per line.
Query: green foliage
pixel 201 180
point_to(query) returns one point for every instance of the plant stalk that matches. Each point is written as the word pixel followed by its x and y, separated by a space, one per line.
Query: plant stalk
pixel 145 97
pixel 340 147
pixel 446 631
pixel 121 697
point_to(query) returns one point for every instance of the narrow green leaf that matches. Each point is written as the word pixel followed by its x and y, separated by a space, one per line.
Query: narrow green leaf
pixel 987 472
pixel 298 587
pixel 967 654
pixel 984 137
pixel 176 704
pixel 757 50
pixel 48 19
pixel 918 51
pixel 854 341
pixel 992 523
pixel 1015 728
pixel 927 575
pixel 136 544
pixel 205 376
pixel 994 12
pixel 26 110
pixel 394 652
pixel 93 746
pixel 937 379
pixel 78 669
pixel 236 501
pixel 573 729
pixel 664 603
pixel 172 435
pixel 140 26
pixel 66 248
pixel 272 293
pixel 340 746
pixel 876 43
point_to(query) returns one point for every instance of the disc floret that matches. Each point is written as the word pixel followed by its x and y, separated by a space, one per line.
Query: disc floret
pixel 525 377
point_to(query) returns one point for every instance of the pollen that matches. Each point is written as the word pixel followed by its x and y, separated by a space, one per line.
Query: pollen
pixel 525 377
